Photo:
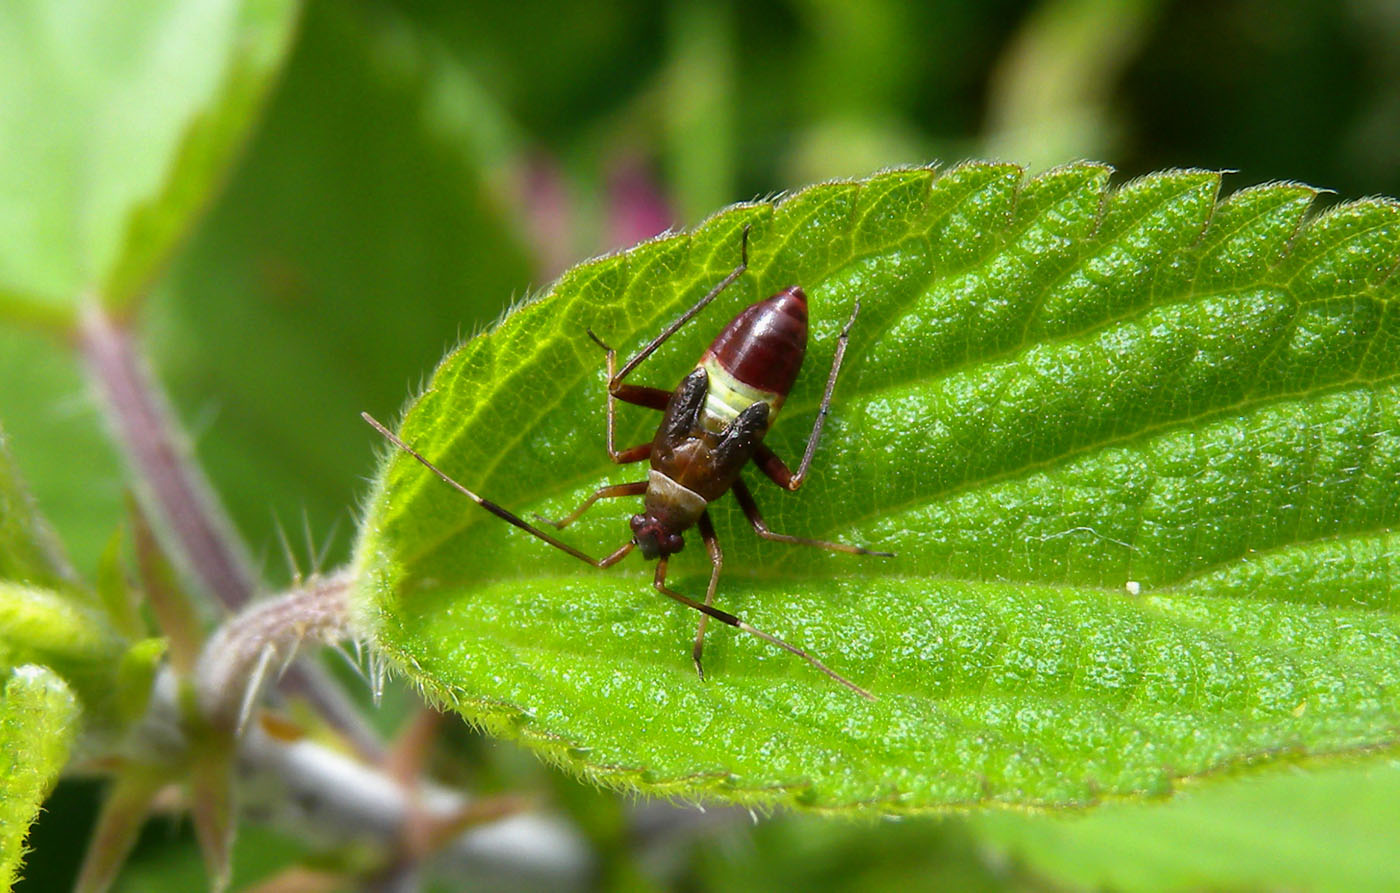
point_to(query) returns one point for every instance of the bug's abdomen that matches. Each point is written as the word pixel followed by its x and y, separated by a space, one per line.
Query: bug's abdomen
pixel 763 346
pixel 757 357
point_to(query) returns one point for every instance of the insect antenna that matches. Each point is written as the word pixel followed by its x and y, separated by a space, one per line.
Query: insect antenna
pixel 498 511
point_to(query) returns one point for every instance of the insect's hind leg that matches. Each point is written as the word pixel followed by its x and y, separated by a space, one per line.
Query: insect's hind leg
pixel 637 395
pixel 768 461
pixel 504 514
pixel 760 527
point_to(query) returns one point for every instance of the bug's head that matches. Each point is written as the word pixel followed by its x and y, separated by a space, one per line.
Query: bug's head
pixel 655 537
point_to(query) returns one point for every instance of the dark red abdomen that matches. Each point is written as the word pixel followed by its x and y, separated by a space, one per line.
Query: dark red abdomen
pixel 763 346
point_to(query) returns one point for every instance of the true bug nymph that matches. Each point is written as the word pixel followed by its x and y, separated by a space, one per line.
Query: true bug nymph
pixel 713 425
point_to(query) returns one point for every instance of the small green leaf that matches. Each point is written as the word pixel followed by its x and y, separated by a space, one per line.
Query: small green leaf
pixel 124 811
pixel 29 551
pixel 114 591
pixel 38 721
pixel 1138 452
pixel 117 127
pixel 59 632
pixel 136 675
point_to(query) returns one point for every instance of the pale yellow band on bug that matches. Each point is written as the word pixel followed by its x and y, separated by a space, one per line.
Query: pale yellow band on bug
pixel 728 396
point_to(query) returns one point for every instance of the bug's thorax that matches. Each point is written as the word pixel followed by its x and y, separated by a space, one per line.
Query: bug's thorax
pixel 670 510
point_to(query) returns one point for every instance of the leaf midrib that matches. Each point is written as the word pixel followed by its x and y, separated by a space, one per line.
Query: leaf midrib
pixel 1237 409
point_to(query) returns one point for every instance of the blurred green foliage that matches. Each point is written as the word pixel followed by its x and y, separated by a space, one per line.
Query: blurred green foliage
pixel 422 164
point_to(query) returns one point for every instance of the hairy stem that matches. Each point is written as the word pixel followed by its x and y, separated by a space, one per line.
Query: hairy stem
pixel 316 793
pixel 323 796
pixel 181 502
pixel 261 641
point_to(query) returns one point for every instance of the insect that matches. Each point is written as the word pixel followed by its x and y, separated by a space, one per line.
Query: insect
pixel 713 425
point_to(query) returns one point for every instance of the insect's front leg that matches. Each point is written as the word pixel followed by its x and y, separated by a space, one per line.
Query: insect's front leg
pixel 635 488
pixel 687 316
pixel 707 533
pixel 654 398
pixel 658 583
pixel 637 395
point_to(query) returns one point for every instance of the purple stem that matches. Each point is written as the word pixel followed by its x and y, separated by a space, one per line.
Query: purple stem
pixel 182 503
pixel 177 495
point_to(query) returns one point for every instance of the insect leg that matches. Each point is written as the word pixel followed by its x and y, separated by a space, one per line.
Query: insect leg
pixel 637 395
pixel 635 488
pixel 689 314
pixel 659 583
pixel 707 533
pixel 503 514
pixel 760 527
pixel 768 461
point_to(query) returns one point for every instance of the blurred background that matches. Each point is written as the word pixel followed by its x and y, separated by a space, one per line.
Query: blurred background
pixel 422 164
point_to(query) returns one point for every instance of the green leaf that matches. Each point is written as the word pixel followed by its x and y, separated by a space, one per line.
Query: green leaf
pixel 117 125
pixel 1328 829
pixel 38 720
pixel 59 632
pixel 1138 453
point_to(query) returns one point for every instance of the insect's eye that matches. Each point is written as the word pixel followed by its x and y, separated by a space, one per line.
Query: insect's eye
pixel 674 543
pixel 637 521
